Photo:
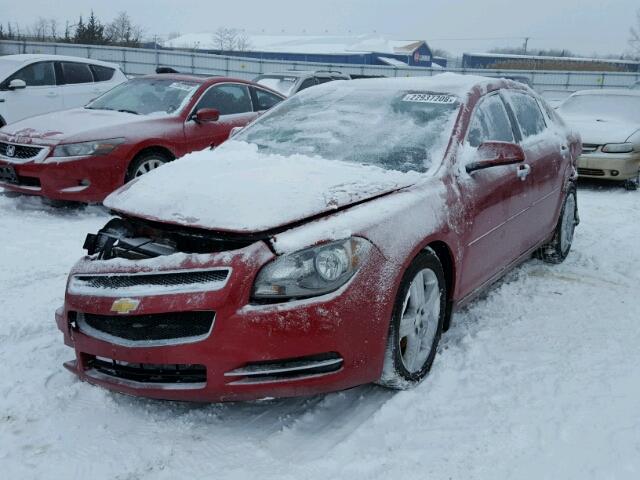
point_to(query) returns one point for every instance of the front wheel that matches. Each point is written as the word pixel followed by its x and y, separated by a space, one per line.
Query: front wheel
pixel 558 248
pixel 144 164
pixel 416 323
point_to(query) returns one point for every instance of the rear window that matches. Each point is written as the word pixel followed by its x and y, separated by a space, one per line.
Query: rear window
pixel 76 73
pixel 102 74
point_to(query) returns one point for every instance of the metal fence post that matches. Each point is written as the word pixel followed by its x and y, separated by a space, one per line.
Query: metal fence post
pixel 124 61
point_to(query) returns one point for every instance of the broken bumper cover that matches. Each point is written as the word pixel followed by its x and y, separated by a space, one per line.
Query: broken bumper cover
pixel 290 349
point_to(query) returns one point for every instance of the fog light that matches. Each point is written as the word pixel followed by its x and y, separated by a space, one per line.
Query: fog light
pixel 85 183
pixel 615 173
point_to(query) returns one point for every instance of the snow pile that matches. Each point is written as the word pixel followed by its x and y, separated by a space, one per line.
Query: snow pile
pixel 237 188
pixel 539 379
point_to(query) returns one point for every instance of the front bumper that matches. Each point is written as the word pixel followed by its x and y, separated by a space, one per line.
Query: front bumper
pixel 609 166
pixel 87 180
pixel 344 331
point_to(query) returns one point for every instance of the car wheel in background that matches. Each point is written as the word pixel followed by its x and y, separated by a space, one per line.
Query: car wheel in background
pixel 144 163
pixel 558 248
pixel 416 323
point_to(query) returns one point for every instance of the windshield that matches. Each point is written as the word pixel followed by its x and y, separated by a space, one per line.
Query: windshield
pixel 280 84
pixel 145 96
pixel 618 107
pixel 396 130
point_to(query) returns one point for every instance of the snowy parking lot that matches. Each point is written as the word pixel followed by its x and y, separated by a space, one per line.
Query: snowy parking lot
pixel 538 379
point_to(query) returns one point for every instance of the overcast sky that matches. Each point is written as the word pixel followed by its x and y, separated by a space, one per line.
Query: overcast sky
pixel 583 26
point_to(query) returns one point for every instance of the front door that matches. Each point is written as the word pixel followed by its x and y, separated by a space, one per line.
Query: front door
pixel 495 200
pixel 233 101
pixel 40 96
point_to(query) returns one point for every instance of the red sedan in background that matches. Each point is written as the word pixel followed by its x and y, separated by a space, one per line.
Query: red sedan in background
pixel 325 245
pixel 84 154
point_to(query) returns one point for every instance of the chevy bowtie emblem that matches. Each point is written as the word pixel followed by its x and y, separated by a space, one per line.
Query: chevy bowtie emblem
pixel 10 151
pixel 122 306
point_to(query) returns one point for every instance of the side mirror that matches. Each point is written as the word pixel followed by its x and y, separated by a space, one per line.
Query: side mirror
pixel 495 154
pixel 234 131
pixel 17 84
pixel 206 115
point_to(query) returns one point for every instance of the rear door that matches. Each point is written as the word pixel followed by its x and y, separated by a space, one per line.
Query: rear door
pixel 495 198
pixel 78 87
pixel 41 95
pixel 545 150
pixel 233 101
pixel 104 78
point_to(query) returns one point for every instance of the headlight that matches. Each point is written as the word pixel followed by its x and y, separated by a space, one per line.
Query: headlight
pixel 312 271
pixel 618 148
pixel 86 149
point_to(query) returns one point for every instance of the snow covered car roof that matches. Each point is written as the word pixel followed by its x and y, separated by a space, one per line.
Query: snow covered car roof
pixel 324 149
pixel 36 57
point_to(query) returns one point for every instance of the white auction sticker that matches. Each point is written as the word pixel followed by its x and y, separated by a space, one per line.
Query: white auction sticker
pixel 429 98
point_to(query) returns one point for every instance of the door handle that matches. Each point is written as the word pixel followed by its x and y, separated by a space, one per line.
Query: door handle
pixel 52 94
pixel 523 171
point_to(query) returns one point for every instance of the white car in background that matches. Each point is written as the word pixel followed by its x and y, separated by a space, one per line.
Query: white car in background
pixel 608 121
pixel 34 84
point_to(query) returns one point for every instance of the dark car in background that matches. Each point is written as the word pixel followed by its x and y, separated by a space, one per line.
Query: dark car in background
pixel 291 82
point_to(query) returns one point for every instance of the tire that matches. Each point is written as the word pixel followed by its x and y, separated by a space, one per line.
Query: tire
pixel 411 346
pixel 144 163
pixel 558 248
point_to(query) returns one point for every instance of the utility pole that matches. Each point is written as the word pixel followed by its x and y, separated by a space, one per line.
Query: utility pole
pixel 526 42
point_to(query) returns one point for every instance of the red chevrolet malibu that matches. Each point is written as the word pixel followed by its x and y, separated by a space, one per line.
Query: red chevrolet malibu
pixel 324 246
pixel 86 153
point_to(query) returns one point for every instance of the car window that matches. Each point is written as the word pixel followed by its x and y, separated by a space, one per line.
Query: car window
pixel 322 80
pixel 308 82
pixel 36 75
pixel 265 100
pixel 76 73
pixel 228 99
pixel 102 74
pixel 490 122
pixel 527 113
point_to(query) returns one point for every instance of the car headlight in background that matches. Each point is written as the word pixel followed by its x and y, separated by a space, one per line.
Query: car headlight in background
pixel 312 271
pixel 618 148
pixel 87 149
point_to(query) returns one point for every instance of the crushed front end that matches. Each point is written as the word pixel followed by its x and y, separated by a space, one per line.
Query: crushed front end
pixel 168 312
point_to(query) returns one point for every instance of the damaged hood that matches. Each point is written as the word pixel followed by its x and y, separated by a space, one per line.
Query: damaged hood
pixel 598 131
pixel 238 189
pixel 75 125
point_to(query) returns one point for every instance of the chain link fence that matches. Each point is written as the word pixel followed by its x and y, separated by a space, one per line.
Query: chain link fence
pixel 141 61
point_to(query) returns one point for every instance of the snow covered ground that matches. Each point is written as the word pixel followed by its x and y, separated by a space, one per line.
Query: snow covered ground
pixel 540 379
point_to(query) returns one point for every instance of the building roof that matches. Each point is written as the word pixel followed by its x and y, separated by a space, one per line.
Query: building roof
pixel 544 57
pixel 309 44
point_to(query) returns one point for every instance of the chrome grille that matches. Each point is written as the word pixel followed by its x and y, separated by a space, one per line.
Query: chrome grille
pixel 22 152
pixel 148 283
pixel 162 328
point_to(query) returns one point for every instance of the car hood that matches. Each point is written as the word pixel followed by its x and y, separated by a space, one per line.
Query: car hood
pixel 75 125
pixel 236 188
pixel 598 131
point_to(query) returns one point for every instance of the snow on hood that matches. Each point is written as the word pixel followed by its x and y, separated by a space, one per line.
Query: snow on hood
pixel 598 131
pixel 236 188
pixel 78 124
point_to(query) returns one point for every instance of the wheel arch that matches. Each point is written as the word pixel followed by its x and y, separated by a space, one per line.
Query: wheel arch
pixel 445 255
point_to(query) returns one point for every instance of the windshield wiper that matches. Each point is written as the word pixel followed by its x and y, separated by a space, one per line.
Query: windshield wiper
pixel 124 110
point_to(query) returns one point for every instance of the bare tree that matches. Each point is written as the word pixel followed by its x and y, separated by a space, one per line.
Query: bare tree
pixel 230 39
pixel 53 28
pixel 39 29
pixel 634 40
pixel 122 31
